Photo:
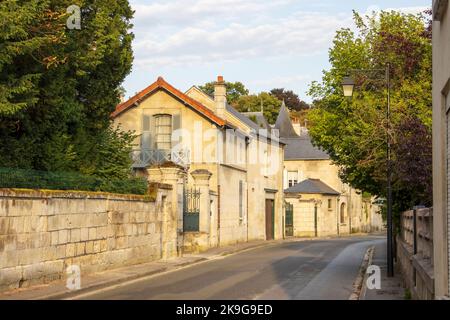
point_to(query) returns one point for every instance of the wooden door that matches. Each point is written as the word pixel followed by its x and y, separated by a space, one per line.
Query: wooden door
pixel 270 230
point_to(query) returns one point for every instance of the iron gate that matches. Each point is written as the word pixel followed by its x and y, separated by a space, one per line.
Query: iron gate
pixel 289 220
pixel 191 210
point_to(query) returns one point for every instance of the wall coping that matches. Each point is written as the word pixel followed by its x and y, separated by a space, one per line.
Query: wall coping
pixel 72 194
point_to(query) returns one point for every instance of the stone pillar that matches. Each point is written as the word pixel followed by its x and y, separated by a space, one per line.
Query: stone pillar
pixel 201 178
pixel 170 174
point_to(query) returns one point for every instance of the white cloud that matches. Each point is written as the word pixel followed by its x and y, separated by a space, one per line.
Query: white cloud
pixel 407 10
pixel 201 31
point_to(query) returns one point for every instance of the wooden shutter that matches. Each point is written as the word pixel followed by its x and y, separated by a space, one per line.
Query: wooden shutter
pixel 176 125
pixel 148 135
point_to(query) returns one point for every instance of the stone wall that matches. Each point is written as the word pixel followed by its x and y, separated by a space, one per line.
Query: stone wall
pixel 44 232
pixel 415 253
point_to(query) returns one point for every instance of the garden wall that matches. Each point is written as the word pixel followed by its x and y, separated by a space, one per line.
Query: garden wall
pixel 44 232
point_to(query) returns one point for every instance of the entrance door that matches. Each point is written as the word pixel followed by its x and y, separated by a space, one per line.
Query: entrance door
pixel 270 229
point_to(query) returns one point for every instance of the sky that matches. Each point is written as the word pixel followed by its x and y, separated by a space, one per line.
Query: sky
pixel 264 44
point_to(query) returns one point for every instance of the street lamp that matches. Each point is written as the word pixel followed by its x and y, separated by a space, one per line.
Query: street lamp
pixel 348 85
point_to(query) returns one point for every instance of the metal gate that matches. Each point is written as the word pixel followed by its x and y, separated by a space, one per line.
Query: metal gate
pixel 191 210
pixel 289 220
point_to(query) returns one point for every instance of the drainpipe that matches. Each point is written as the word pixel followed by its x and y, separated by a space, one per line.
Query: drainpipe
pixel 337 216
pixel 315 220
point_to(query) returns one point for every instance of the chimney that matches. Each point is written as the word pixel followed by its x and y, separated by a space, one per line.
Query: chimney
pixel 220 97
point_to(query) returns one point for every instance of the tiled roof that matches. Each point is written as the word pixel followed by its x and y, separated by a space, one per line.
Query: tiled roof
pixel 312 186
pixel 297 147
pixel 301 148
pixel 161 84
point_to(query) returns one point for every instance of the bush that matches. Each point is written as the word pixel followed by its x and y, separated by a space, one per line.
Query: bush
pixel 33 179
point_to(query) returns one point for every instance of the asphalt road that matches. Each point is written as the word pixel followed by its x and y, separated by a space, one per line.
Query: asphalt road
pixel 304 270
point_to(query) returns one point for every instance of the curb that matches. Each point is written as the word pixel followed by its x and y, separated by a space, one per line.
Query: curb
pixel 106 284
pixel 359 287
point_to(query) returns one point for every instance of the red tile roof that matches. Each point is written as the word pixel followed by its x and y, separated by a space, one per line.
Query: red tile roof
pixel 162 84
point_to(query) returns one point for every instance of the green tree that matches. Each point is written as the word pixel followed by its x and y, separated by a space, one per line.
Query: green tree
pixel 353 131
pixel 234 91
pixel 264 100
pixel 292 100
pixel 58 116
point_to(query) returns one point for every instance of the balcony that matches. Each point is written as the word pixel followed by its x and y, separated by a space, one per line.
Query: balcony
pixel 148 157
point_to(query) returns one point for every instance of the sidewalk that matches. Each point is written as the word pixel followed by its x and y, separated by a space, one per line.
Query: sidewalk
pixel 391 288
pixel 58 290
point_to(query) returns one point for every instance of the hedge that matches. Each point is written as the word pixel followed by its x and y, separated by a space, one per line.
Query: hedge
pixel 33 179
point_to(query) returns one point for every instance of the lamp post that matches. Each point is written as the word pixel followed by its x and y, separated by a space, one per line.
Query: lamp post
pixel 348 86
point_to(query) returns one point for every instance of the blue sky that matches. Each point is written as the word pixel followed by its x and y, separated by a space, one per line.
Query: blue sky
pixel 263 43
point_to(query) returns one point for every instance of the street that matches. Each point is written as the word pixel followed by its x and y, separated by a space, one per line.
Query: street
pixel 294 270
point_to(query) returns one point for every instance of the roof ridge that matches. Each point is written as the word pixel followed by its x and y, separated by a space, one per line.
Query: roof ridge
pixel 160 83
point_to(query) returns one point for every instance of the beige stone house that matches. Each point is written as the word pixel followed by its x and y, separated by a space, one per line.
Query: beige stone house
pixel 441 146
pixel 322 204
pixel 233 169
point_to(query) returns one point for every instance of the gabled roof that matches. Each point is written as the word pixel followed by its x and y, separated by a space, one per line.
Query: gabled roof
pixel 161 84
pixel 312 186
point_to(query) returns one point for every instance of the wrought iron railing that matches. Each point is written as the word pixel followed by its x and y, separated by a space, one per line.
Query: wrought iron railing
pixel 147 157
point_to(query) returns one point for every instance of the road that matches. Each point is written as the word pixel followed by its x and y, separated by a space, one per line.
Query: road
pixel 302 270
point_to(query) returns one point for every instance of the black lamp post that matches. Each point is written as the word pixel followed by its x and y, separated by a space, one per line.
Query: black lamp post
pixel 348 85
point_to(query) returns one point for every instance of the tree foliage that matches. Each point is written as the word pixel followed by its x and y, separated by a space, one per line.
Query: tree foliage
pixel 353 131
pixel 292 100
pixel 252 103
pixel 58 87
pixel 234 91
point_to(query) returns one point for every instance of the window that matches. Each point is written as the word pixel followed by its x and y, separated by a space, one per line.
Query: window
pixel 163 132
pixel 292 178
pixel 330 204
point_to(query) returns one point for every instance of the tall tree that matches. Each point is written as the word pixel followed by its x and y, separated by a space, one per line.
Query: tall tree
pixel 292 100
pixel 234 91
pixel 353 131
pixel 63 116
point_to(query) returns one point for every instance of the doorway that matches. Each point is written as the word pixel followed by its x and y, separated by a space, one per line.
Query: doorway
pixel 270 221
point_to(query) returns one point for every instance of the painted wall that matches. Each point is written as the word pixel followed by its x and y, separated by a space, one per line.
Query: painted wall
pixel 44 232
pixel 441 102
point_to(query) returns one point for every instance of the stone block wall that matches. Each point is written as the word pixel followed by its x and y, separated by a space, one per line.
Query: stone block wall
pixel 44 232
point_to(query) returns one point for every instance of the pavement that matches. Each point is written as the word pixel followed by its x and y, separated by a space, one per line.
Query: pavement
pixel 296 269
pixel 391 288
pixel 58 290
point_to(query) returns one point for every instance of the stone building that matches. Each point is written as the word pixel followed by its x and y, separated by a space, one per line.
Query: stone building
pixel 230 169
pixel 322 204
pixel 441 146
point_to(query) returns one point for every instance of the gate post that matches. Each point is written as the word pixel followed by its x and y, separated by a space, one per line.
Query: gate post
pixel 173 175
pixel 201 178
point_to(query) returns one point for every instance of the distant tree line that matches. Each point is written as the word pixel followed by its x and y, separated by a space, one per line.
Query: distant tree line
pixel 238 96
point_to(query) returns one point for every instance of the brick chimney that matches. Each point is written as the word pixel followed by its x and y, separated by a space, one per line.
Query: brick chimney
pixel 220 96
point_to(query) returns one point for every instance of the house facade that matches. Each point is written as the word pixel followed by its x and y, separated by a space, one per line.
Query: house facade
pixel 322 204
pixel 441 147
pixel 224 156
